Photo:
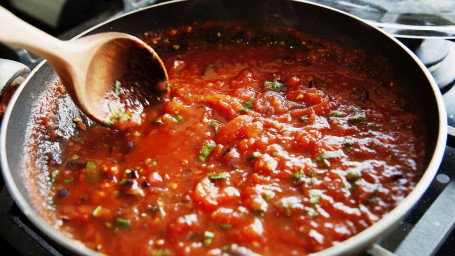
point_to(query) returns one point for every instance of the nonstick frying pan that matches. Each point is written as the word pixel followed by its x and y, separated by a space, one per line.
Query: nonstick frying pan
pixel 26 184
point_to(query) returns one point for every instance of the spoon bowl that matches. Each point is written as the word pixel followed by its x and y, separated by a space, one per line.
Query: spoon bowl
pixel 112 77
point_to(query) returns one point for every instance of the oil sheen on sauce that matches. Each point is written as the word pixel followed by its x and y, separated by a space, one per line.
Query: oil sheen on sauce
pixel 262 149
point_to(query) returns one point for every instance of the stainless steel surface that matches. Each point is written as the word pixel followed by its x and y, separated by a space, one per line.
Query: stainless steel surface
pixel 403 18
pixel 9 72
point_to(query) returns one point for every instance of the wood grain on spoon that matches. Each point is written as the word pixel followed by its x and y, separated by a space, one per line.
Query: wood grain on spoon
pixel 111 76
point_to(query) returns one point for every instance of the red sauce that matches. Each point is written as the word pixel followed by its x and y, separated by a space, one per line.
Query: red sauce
pixel 262 149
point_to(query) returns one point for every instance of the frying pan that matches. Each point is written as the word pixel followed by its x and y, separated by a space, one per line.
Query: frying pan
pixel 26 174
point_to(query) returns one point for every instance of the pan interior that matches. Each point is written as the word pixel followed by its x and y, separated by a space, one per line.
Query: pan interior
pixel 28 127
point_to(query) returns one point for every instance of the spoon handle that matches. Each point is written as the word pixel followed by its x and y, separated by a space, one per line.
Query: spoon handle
pixel 19 33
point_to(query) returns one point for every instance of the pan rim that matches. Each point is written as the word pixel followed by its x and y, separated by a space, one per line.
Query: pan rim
pixel 365 237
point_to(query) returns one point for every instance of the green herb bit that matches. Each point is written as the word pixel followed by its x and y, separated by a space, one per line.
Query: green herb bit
pixel 124 223
pixel 275 86
pixel 108 123
pixel 117 87
pixel 311 212
pixel 322 158
pixel 75 157
pixel 214 125
pixel 205 152
pixel 321 84
pixel 108 224
pixel 93 173
pixel 117 113
pixel 253 156
pixel 54 175
pixel 373 195
pixel 225 226
pixel 247 106
pixel 348 142
pixel 208 238
pixel 325 163
pixel 336 114
pixel 226 248
pixel 97 212
pixel 178 118
pixel 257 212
pixel 357 118
pixel 158 121
pixel 160 252
pixel 353 174
pixel 268 195
pixel 372 126
pixel 314 196
pixel 303 118
pixel 297 176
pixel 219 176
pixel 68 181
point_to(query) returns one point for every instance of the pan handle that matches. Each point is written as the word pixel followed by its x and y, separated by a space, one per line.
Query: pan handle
pixel 12 74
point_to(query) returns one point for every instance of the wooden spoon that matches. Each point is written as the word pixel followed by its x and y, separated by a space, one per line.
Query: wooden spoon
pixel 111 76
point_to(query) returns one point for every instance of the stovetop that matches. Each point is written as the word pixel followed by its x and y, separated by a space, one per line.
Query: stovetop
pixel 427 230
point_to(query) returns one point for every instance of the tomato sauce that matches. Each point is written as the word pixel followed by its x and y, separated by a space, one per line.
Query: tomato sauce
pixel 263 149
